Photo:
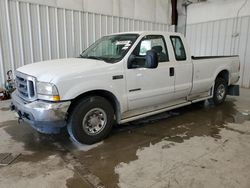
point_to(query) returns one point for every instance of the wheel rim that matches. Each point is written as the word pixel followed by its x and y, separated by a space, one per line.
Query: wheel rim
pixel 94 121
pixel 221 91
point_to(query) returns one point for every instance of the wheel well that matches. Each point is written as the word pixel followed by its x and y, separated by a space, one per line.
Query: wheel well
pixel 102 93
pixel 224 75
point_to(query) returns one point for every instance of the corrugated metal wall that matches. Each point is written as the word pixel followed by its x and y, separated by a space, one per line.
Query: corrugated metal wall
pixel 31 32
pixel 223 37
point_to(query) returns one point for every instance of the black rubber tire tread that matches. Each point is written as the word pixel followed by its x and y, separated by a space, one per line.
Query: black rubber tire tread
pixel 77 114
pixel 218 82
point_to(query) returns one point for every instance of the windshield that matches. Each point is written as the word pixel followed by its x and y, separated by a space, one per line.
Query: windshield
pixel 111 48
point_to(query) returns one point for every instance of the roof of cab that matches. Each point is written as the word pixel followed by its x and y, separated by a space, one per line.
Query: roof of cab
pixel 148 33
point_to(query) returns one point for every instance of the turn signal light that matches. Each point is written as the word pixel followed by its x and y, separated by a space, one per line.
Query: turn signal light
pixel 55 98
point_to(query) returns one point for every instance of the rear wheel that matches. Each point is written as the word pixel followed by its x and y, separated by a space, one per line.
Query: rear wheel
pixel 220 91
pixel 91 120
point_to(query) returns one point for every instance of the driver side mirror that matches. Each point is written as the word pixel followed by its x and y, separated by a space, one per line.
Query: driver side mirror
pixel 149 61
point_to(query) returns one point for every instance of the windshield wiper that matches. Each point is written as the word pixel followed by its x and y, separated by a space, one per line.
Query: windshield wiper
pixel 82 56
pixel 94 57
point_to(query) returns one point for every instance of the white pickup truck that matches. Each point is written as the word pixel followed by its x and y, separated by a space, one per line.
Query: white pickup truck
pixel 120 78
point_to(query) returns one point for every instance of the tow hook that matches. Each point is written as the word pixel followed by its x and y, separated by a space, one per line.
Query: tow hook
pixel 20 117
pixel 12 107
pixel 20 120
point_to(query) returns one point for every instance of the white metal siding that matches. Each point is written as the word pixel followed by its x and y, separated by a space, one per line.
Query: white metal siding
pixel 223 37
pixel 31 32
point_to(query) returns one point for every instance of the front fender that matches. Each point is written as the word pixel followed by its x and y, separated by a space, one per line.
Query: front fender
pixel 69 91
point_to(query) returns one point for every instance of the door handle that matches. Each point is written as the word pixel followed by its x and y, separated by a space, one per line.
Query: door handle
pixel 171 71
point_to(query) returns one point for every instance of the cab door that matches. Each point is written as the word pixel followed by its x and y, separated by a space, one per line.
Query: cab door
pixel 150 87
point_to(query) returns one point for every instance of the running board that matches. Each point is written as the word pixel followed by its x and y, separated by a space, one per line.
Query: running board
pixel 153 112
pixel 201 99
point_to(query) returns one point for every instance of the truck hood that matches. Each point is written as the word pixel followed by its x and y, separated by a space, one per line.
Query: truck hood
pixel 46 71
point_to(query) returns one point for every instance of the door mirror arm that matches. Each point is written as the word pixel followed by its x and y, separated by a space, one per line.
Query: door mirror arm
pixel 131 59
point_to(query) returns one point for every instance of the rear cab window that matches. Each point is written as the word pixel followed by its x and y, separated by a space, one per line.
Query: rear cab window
pixel 178 47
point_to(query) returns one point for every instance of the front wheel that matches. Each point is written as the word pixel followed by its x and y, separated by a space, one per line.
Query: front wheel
pixel 220 91
pixel 91 120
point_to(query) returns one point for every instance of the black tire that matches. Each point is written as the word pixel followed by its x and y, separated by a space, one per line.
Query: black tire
pixel 87 108
pixel 219 97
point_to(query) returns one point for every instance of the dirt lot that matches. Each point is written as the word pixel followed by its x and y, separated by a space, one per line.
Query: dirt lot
pixel 194 146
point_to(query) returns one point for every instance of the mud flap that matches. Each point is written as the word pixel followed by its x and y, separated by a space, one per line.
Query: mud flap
pixel 234 90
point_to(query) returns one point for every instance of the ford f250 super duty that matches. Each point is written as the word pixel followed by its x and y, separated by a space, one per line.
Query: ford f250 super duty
pixel 120 78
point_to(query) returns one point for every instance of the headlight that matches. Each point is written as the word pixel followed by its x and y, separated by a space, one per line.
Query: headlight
pixel 47 91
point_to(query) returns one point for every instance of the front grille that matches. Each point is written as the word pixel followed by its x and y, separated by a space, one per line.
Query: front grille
pixel 25 86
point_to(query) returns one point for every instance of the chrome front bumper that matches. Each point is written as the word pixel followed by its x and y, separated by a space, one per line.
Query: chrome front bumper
pixel 45 117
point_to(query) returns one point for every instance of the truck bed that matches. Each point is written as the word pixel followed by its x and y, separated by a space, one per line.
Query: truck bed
pixel 206 68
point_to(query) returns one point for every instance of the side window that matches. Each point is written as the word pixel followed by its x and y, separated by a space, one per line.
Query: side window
pixel 179 50
pixel 150 42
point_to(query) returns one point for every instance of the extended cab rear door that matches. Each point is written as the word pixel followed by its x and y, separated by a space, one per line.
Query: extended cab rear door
pixel 150 87
pixel 183 67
